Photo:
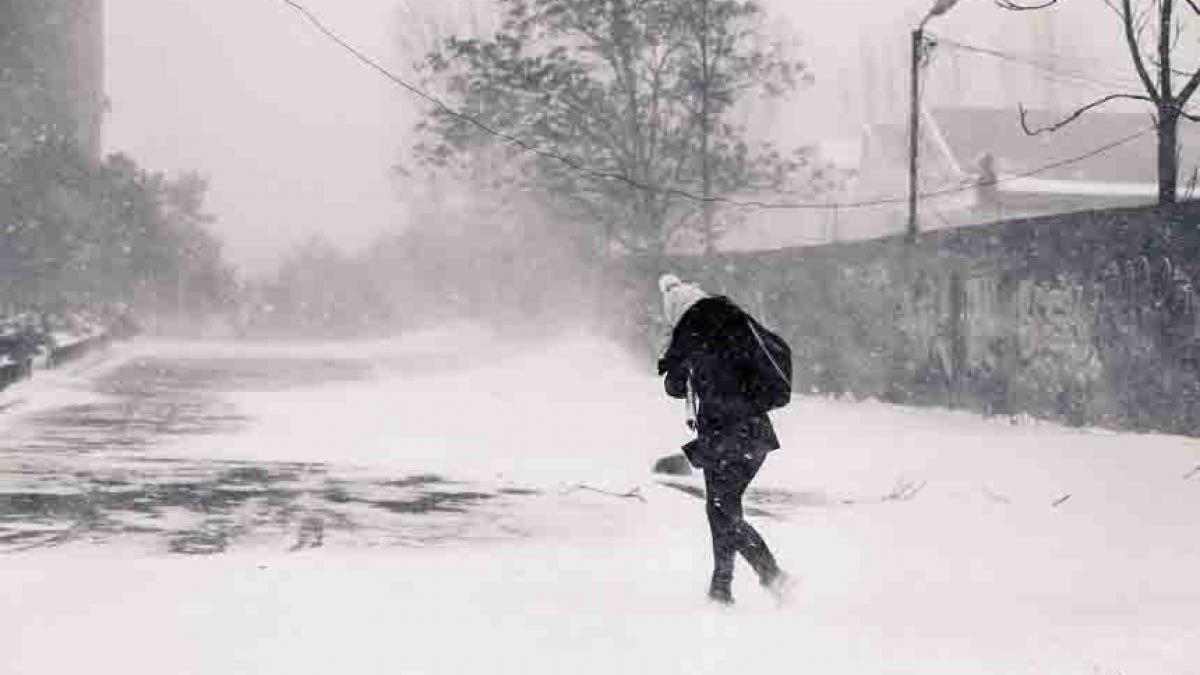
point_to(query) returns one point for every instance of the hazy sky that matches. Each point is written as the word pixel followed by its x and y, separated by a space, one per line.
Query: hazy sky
pixel 297 138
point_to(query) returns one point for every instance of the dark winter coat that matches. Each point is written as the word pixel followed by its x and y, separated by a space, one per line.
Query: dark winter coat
pixel 713 343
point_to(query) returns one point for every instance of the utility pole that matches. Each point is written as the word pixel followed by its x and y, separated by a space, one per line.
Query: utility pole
pixel 939 8
pixel 914 128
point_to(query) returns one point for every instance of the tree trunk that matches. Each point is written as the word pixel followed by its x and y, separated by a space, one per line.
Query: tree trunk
pixel 622 41
pixel 1168 156
pixel 710 234
pixel 1168 112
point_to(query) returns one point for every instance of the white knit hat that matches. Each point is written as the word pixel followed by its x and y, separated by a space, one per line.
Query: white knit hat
pixel 678 296
pixel 667 281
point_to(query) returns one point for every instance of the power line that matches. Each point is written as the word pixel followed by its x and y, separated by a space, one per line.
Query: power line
pixel 1031 63
pixel 442 107
pixel 574 165
pixel 1065 162
pixel 970 185
pixel 1054 73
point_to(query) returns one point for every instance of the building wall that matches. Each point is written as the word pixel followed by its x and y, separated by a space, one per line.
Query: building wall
pixel 1090 317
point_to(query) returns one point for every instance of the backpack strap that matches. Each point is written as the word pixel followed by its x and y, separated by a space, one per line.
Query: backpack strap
pixel 692 402
pixel 763 347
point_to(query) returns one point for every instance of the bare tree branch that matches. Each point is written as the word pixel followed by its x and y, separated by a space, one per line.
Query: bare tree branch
pixel 1141 21
pixel 635 493
pixel 1191 188
pixel 1014 7
pixel 904 490
pixel 1192 4
pixel 995 496
pixel 1075 115
pixel 1135 52
pixel 1116 10
pixel 1164 49
pixel 1186 93
pixel 1188 89
pixel 1174 71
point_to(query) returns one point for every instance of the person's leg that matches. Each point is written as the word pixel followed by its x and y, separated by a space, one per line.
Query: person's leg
pixel 725 485
pixel 749 542
pixel 722 522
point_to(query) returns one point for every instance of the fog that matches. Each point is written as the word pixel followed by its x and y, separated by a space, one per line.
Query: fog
pixel 298 138
pixel 374 362
pixel 308 152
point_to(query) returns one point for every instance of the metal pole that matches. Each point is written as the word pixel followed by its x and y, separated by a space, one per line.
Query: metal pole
pixel 914 130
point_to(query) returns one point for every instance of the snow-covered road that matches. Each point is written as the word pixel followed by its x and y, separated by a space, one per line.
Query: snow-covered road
pixel 926 541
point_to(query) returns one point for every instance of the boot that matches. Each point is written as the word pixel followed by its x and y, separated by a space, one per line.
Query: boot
pixel 779 584
pixel 720 594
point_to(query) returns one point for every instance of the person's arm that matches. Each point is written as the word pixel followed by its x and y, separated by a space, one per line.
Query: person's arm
pixel 676 383
pixel 674 365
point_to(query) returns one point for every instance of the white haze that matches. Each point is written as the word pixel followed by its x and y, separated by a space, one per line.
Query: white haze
pixel 298 138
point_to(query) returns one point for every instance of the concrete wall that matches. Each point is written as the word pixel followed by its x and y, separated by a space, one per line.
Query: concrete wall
pixel 1088 317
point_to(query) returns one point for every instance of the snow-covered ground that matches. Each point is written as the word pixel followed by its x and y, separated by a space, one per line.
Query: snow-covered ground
pixel 925 541
pixel 50 388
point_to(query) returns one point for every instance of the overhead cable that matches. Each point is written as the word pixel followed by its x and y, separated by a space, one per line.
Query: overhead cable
pixel 599 174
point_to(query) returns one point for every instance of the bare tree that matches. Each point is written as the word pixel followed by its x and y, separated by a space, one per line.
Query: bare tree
pixel 1155 71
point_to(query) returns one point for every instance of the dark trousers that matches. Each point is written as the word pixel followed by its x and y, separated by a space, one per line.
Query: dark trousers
pixel 725 481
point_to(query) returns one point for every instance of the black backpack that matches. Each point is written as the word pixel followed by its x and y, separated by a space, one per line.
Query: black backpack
pixel 771 364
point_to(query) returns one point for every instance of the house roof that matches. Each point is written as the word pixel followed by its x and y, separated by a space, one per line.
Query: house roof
pixel 970 132
pixel 1050 186
pixel 952 142
pixel 967 133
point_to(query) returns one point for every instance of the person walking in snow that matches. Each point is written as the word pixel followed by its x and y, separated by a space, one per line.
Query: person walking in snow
pixel 709 340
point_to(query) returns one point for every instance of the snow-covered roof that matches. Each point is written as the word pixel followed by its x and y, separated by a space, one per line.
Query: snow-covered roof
pixel 960 136
pixel 1048 186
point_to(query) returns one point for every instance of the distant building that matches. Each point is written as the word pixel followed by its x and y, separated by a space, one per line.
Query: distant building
pixel 979 166
pixel 51 74
pixel 976 166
